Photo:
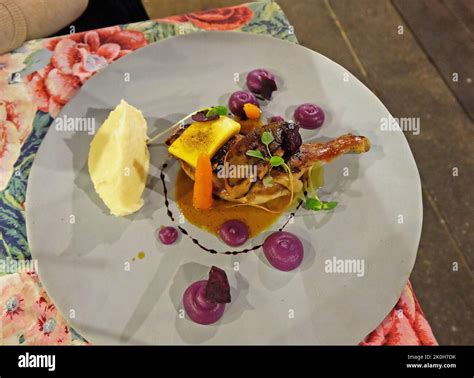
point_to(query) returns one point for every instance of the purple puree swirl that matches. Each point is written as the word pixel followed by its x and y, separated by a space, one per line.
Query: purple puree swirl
pixel 167 235
pixel 234 232
pixel 262 82
pixel 198 307
pixel 283 250
pixel 237 101
pixel 309 116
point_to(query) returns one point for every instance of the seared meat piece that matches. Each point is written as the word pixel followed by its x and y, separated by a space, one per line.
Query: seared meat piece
pixel 287 144
pixel 309 154
pixel 286 141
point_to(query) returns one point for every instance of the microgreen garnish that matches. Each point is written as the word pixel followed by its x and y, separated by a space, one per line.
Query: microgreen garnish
pixel 218 110
pixel 317 205
pixel 275 161
pixel 267 138
pixel 204 114
pixel 255 153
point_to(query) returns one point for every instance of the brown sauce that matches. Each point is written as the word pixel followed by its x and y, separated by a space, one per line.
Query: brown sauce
pixel 211 220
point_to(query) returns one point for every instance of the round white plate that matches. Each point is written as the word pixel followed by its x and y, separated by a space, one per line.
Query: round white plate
pixel 83 252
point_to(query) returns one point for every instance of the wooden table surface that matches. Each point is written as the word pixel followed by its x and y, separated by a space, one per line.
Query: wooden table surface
pixel 409 53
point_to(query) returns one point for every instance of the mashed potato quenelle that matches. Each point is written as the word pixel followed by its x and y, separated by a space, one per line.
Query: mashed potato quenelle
pixel 119 160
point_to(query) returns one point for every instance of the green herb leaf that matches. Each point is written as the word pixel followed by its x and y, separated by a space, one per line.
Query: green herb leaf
pixel 329 205
pixel 211 112
pixel 222 110
pixel 217 110
pixel 255 154
pixel 314 204
pixel 276 161
pixel 267 138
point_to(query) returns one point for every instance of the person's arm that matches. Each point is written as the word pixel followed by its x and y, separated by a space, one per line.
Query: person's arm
pixel 22 20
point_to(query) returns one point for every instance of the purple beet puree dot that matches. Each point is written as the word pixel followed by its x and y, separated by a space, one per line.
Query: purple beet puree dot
pixel 167 235
pixel 200 309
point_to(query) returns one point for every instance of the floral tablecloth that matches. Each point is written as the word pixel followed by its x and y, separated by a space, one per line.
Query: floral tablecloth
pixel 36 81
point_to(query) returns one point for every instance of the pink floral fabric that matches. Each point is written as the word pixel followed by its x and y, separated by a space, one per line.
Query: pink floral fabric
pixel 17 111
pixel 75 59
pixel 28 316
pixel 406 324
pixel 228 18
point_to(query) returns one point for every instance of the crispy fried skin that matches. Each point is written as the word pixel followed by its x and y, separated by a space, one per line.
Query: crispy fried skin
pixel 325 152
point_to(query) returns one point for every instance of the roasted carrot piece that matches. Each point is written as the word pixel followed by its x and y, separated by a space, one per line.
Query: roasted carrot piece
pixel 252 111
pixel 202 195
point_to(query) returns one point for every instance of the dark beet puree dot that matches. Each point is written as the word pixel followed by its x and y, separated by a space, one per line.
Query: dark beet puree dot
pixel 262 82
pixel 283 250
pixel 237 101
pixel 167 235
pixel 198 307
pixel 309 116
pixel 234 232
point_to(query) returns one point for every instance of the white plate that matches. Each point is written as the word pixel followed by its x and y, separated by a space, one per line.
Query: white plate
pixel 83 263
